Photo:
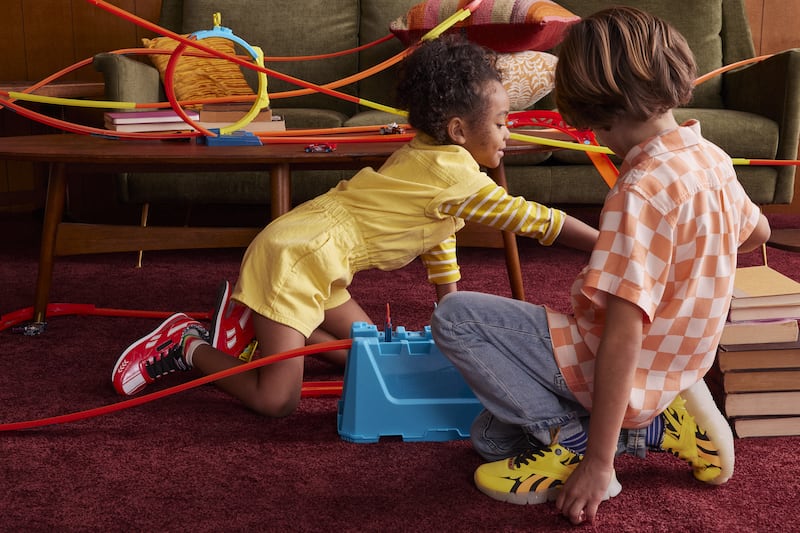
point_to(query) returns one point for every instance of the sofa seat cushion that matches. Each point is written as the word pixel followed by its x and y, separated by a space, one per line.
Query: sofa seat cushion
pixel 297 118
pixel 581 184
pixel 557 184
pixel 188 188
pixel 740 134
pixel 375 118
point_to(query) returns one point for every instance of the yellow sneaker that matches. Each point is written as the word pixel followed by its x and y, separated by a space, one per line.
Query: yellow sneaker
pixel 532 477
pixel 685 439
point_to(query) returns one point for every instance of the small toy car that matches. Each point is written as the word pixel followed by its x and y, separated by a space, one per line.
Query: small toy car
pixel 391 128
pixel 321 147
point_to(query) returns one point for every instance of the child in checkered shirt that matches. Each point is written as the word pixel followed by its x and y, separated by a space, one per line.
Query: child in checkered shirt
pixel 564 394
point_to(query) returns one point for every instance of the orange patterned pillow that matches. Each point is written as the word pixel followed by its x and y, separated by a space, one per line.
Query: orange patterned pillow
pixel 198 78
pixel 528 76
pixel 502 25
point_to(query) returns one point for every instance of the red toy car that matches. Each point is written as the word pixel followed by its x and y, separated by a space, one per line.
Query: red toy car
pixel 321 147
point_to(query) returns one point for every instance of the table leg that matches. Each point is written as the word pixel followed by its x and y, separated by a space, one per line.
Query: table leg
pixel 53 212
pixel 280 189
pixel 510 243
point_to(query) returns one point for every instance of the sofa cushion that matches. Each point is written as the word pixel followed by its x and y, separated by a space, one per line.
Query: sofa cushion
pixel 376 15
pixel 375 118
pixel 198 78
pixel 304 117
pixel 502 25
pixel 699 22
pixel 528 76
pixel 291 28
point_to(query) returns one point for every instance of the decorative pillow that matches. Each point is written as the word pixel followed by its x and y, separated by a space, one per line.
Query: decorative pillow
pixel 527 76
pixel 502 25
pixel 197 78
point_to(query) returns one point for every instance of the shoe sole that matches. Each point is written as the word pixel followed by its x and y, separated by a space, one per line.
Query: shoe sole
pixel 549 495
pixel 223 294
pixel 136 344
pixel 702 407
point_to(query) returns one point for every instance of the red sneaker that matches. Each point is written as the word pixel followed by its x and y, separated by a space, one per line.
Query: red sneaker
pixel 232 328
pixel 154 355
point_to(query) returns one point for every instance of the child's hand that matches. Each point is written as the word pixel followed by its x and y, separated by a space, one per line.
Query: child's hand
pixel 583 491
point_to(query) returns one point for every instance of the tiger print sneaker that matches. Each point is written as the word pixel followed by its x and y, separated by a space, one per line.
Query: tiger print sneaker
pixel 708 451
pixel 532 477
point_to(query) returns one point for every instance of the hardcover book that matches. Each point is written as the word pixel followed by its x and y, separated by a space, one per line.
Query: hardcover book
pixel 759 356
pixel 771 312
pixel 767 426
pixel 147 117
pixel 750 332
pixel 763 404
pixel 762 286
pixel 761 381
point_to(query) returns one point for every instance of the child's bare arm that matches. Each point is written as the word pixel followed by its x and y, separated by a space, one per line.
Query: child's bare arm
pixel 445 289
pixel 759 236
pixel 577 234
pixel 614 371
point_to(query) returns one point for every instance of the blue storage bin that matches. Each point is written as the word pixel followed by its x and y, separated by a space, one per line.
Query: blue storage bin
pixel 403 387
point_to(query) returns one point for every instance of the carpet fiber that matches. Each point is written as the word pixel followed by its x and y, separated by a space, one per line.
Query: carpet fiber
pixel 199 461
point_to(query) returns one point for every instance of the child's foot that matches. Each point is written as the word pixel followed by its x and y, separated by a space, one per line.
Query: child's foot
pixel 156 354
pixel 532 477
pixel 232 327
pixel 704 440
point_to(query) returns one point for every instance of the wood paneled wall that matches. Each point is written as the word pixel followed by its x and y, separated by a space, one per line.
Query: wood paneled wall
pixel 45 36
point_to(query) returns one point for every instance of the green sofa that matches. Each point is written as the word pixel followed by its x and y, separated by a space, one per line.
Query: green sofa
pixel 751 112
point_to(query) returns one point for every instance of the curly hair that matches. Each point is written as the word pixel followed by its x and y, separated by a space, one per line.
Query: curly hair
pixel 622 62
pixel 444 78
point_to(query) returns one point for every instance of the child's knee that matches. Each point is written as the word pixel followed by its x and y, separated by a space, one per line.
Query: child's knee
pixel 449 308
pixel 277 404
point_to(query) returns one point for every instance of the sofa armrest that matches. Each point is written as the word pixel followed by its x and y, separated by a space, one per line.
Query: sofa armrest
pixel 770 88
pixel 127 79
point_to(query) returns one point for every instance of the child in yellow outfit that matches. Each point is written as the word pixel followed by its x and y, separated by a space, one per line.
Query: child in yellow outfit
pixel 292 288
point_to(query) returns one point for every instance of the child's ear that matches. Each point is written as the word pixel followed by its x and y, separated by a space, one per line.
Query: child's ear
pixel 455 130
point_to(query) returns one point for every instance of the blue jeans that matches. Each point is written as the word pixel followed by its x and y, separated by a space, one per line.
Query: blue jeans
pixel 502 347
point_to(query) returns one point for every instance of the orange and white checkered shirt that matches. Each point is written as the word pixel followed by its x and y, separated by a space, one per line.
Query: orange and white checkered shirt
pixel 669 234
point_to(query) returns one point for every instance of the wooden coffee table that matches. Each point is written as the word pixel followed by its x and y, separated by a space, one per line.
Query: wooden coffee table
pixel 65 153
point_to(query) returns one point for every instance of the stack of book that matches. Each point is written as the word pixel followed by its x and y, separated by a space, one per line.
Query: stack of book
pixel 222 115
pixel 144 121
pixel 759 355
pixel 211 116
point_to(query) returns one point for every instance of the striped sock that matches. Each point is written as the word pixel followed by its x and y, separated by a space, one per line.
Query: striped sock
pixel 192 338
pixel 575 443
pixel 655 433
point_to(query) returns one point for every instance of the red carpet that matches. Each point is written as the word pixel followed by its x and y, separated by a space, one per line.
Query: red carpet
pixel 198 461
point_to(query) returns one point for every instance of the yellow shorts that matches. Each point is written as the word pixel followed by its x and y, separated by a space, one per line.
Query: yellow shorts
pixel 301 264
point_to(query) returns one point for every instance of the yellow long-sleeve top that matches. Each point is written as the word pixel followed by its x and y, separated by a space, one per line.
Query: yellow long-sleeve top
pixel 492 206
pixel 422 195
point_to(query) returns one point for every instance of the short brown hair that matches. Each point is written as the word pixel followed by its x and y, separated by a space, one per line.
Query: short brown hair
pixel 622 62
